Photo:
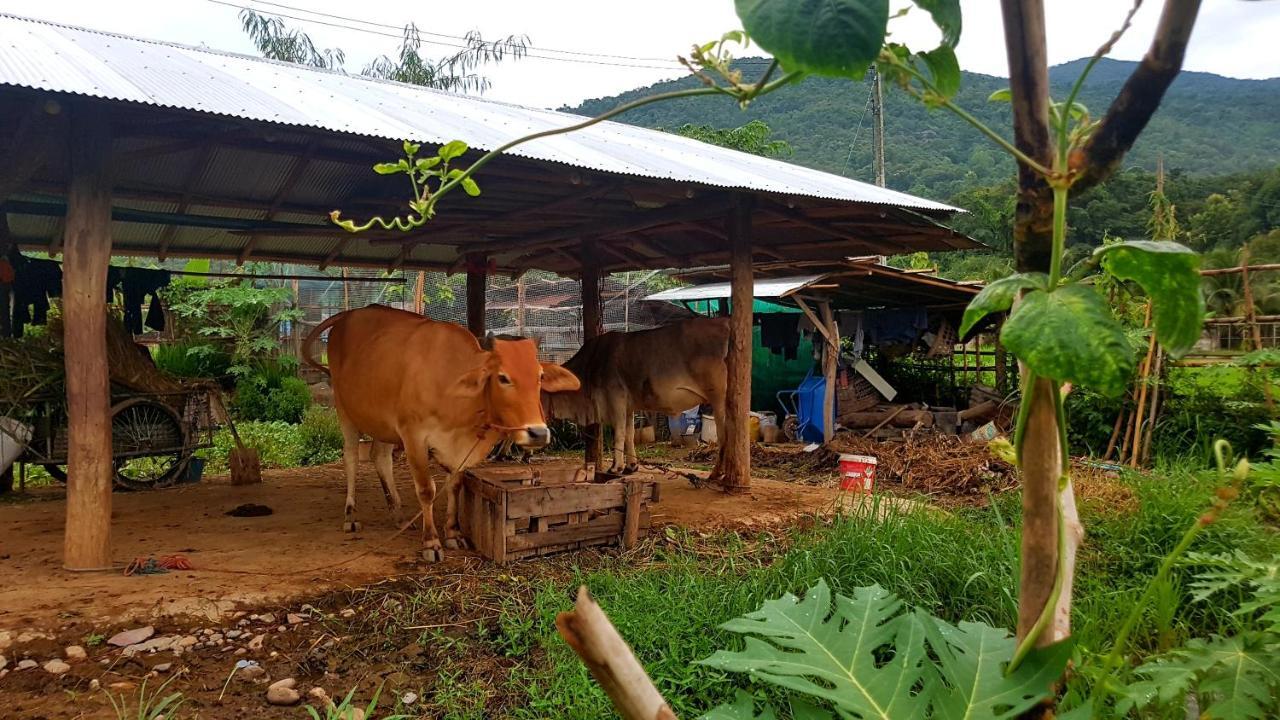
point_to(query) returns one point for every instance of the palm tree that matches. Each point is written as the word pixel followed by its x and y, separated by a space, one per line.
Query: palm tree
pixel 456 72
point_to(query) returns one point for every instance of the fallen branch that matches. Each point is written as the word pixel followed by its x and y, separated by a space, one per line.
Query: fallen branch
pixel 588 631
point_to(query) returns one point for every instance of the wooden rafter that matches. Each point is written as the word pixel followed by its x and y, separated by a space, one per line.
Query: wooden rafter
pixel 298 166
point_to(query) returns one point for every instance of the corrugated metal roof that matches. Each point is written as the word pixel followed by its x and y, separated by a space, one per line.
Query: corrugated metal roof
pixel 770 288
pixel 59 58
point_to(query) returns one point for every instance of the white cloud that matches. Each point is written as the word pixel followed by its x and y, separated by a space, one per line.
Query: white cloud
pixel 1232 38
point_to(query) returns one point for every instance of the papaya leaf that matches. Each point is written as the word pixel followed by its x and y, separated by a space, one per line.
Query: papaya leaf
pixel 426 163
pixel 999 296
pixel 972 659
pixel 1001 95
pixel 1236 677
pixel 1170 275
pixel 945 70
pixel 1070 335
pixel 452 149
pixel 470 187
pixel 836 654
pixel 837 38
pixel 411 149
pixel 946 15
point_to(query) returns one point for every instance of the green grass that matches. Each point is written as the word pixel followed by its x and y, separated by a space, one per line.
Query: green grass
pixel 958 566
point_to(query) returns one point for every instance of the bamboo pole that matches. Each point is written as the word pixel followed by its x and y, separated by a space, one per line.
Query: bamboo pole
pixel 1143 374
pixel 1251 315
pixel 1145 454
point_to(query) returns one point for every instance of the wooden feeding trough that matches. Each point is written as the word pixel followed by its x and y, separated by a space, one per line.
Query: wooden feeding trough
pixel 511 512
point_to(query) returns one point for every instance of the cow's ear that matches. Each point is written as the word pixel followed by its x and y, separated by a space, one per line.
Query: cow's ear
pixel 557 379
pixel 472 383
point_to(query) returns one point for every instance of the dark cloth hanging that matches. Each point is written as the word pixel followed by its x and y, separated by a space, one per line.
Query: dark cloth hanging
pixel 895 327
pixel 136 284
pixel 34 282
pixel 780 333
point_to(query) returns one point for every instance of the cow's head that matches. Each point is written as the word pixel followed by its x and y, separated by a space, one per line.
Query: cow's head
pixel 512 381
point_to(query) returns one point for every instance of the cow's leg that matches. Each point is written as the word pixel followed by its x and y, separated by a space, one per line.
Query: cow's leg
pixel 382 462
pixel 620 421
pixel 350 456
pixel 418 456
pixel 629 450
pixel 719 409
pixel 453 538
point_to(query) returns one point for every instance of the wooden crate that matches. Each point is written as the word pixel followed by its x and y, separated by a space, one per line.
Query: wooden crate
pixel 513 512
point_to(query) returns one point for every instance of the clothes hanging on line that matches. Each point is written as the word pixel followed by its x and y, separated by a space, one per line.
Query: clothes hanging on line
pixel 895 327
pixel 34 282
pixel 850 324
pixel 135 285
pixel 780 333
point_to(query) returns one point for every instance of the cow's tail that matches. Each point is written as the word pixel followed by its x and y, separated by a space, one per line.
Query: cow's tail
pixel 309 343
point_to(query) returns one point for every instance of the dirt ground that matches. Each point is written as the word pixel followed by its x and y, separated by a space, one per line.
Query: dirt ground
pixel 298 549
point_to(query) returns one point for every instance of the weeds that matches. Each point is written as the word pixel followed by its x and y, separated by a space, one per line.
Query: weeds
pixel 148 707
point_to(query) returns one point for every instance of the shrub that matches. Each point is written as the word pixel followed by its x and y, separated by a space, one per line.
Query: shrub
pixel 279 445
pixel 273 392
pixel 190 359
pixel 321 436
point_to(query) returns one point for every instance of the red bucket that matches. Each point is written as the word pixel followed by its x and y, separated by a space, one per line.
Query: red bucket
pixel 858 473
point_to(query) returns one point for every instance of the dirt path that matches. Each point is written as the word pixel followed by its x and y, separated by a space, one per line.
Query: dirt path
pixel 244 561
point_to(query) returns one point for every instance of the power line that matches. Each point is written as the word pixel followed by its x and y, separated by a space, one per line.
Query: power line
pixel 438 42
pixel 452 37
pixel 856 133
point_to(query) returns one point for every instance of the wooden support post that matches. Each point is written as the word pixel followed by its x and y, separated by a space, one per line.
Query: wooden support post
pixel 592 327
pixel 1251 314
pixel 419 295
pixel 87 538
pixel 520 298
pixel 829 359
pixel 477 285
pixel 734 470
pixel 7 251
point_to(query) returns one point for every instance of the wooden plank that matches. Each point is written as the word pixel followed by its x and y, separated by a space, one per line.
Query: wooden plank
pixel 538 501
pixel 499 531
pixel 603 527
pixel 631 521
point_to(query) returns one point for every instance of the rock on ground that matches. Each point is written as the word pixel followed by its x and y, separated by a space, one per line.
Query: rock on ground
pixel 282 692
pixel 28 664
pixel 75 653
pixel 131 637
pixel 56 667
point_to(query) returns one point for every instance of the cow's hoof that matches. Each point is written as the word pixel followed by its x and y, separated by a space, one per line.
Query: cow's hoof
pixel 631 469
pixel 432 555
pixel 351 526
pixel 457 543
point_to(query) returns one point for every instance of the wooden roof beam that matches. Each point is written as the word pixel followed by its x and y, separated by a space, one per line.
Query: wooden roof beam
pixel 194 173
pixel 299 165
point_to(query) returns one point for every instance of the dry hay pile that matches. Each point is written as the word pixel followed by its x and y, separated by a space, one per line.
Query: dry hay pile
pixel 932 463
pixel 815 467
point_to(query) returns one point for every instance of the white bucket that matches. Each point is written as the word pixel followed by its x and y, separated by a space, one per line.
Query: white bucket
pixel 708 429
pixel 768 418
pixel 14 437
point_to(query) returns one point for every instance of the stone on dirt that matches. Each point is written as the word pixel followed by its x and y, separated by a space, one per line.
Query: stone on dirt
pixel 268 618
pixel 162 667
pixel 282 692
pixel 252 673
pixel 75 653
pixel 187 641
pixel 56 667
pixel 348 613
pixel 255 642
pixel 28 664
pixel 95 685
pixel 293 618
pixel 131 637
pixel 409 698
pixel 3 661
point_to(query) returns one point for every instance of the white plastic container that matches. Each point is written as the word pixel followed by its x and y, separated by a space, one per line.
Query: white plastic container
pixel 14 437
pixel 708 429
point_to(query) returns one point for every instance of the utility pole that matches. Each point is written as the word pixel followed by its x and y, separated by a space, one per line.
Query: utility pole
pixel 877 125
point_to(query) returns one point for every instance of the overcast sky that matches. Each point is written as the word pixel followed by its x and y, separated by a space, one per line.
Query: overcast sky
pixel 1233 37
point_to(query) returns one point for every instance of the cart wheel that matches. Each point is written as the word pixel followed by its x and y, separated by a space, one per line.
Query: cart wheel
pixel 153 442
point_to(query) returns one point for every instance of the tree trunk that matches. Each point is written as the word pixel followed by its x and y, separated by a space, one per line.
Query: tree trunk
pixel 733 472
pixel 86 255
pixel 592 327
pixel 477 284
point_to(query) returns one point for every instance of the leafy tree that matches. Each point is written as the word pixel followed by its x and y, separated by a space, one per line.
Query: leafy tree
pixel 456 72
pixel 756 137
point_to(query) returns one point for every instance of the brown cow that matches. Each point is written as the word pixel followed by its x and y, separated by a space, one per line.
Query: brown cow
pixel 401 378
pixel 666 370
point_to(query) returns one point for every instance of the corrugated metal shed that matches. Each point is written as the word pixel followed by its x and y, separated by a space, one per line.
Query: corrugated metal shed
pixel 60 58
pixel 764 288
pixel 227 156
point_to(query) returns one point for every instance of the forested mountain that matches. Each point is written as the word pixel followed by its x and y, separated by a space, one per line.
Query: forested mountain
pixel 1207 125
pixel 1219 137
